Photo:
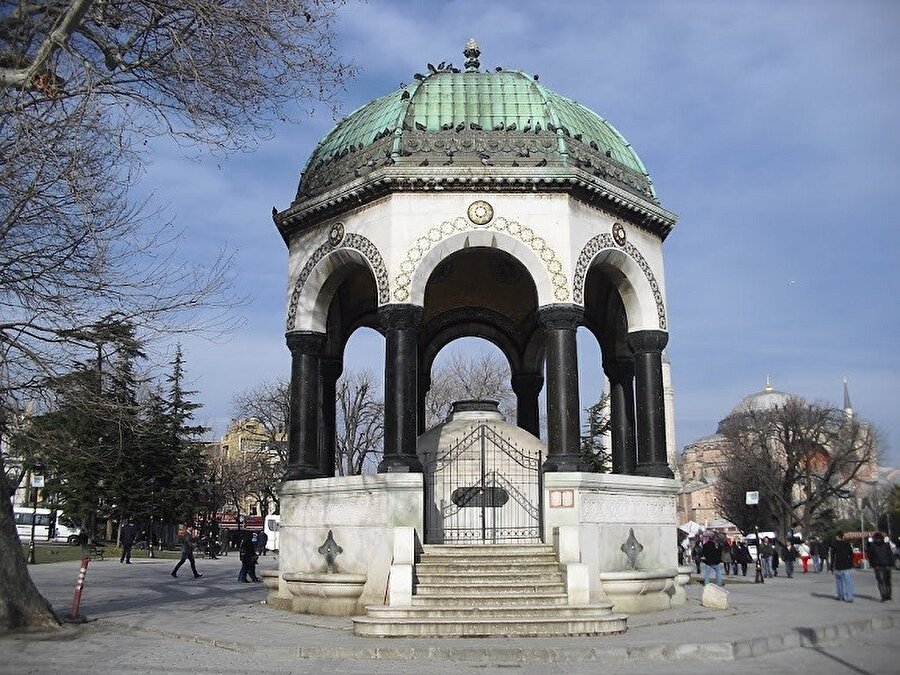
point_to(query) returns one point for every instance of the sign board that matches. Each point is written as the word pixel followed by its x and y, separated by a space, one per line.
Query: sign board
pixel 37 481
pixel 752 498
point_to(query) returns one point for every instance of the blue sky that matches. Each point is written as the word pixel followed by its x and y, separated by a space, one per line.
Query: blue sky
pixel 770 128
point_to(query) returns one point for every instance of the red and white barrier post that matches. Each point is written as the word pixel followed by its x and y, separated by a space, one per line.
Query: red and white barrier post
pixel 79 586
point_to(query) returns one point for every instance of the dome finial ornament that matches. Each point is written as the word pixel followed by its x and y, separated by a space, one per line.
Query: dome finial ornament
pixel 768 384
pixel 472 52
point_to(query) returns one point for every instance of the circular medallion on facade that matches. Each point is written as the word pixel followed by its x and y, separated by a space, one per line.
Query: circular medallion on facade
pixel 618 232
pixel 336 234
pixel 480 212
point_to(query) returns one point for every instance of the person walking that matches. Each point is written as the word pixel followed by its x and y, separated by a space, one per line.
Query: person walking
pixel 842 563
pixel 712 558
pixel 126 537
pixel 697 554
pixel 766 551
pixel 248 556
pixel 790 555
pixel 881 558
pixel 727 558
pixel 815 551
pixel 187 536
pixel 743 557
pixel 776 556
pixel 804 553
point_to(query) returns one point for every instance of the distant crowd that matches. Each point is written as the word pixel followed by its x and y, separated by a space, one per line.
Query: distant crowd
pixel 718 554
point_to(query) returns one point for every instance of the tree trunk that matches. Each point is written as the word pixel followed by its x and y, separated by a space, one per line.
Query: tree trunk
pixel 21 606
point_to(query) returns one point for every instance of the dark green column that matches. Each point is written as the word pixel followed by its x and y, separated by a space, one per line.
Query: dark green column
pixel 330 370
pixel 563 407
pixel 400 323
pixel 621 403
pixel 647 346
pixel 527 387
pixel 303 432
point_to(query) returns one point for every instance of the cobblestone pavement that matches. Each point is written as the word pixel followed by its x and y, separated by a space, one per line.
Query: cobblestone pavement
pixel 144 621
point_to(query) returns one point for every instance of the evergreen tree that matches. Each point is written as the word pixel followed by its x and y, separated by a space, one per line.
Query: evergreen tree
pixel 593 450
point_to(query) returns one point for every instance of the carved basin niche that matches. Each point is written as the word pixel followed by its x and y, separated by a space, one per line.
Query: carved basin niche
pixel 327 593
pixel 634 591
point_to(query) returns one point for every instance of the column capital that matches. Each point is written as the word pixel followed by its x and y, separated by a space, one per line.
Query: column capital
pixel 648 341
pixel 619 370
pixel 400 316
pixel 524 384
pixel 305 342
pixel 561 316
pixel 332 367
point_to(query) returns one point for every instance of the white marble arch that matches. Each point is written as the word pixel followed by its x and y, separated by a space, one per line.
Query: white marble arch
pixel 641 308
pixel 485 239
pixel 319 287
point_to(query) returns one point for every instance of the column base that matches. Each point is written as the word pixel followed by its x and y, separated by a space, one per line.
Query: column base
pixel 302 473
pixel 656 470
pixel 565 463
pixel 400 464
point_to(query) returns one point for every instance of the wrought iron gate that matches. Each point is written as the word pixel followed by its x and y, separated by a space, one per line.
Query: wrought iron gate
pixel 484 489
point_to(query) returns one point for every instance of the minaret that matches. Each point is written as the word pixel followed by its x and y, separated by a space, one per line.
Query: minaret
pixel 848 407
pixel 669 403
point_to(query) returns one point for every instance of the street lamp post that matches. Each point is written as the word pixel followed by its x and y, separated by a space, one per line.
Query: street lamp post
pixel 752 499
pixel 37 481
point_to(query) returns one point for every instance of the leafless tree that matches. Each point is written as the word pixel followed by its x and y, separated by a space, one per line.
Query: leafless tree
pixel 805 458
pixel 84 86
pixel 484 376
pixel 270 404
pixel 360 423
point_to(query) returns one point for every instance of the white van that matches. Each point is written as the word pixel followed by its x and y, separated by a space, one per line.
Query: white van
pixel 26 516
pixel 271 525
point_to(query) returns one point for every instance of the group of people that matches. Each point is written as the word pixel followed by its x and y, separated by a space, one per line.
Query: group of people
pixel 715 551
pixel 249 551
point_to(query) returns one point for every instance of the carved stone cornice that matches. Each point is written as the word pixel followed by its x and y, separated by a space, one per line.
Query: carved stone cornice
pixel 648 341
pixel 398 316
pixel 305 342
pixel 580 183
pixel 561 316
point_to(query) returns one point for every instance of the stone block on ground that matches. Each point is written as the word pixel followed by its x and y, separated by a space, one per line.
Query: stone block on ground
pixel 714 597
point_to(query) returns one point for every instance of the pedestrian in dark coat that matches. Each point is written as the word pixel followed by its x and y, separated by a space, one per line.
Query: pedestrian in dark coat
pixel 790 555
pixel 743 557
pixel 126 537
pixel 881 558
pixel 842 563
pixel 187 536
pixel 248 557
pixel 712 556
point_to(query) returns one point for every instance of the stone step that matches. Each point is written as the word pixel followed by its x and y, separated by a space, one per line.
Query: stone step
pixel 467 599
pixel 478 586
pixel 465 579
pixel 498 551
pixel 490 626
pixel 466 566
pixel 485 611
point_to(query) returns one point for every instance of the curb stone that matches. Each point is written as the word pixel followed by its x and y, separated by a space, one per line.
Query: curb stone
pixel 714 651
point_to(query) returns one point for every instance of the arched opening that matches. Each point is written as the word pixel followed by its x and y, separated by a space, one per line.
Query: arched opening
pixel 484 292
pixel 359 404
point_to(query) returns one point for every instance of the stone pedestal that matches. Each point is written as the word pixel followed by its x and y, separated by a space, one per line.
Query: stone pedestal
pixel 362 512
pixel 604 507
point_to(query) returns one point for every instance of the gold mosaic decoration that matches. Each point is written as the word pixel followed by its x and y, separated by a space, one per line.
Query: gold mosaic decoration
pixel 459 224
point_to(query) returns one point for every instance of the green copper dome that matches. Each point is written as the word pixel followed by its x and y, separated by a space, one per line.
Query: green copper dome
pixel 452 118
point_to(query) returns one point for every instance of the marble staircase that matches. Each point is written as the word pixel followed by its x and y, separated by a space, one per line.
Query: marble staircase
pixel 489 590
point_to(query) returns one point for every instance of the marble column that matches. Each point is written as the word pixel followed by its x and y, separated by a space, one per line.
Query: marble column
pixel 563 407
pixel 303 433
pixel 621 403
pixel 527 387
pixel 330 369
pixel 647 346
pixel 401 361
pixel 421 408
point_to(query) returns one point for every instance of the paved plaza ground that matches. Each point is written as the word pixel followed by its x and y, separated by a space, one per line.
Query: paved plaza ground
pixel 144 621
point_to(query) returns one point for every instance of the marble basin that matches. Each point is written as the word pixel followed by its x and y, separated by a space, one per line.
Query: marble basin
pixel 636 591
pixel 325 593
